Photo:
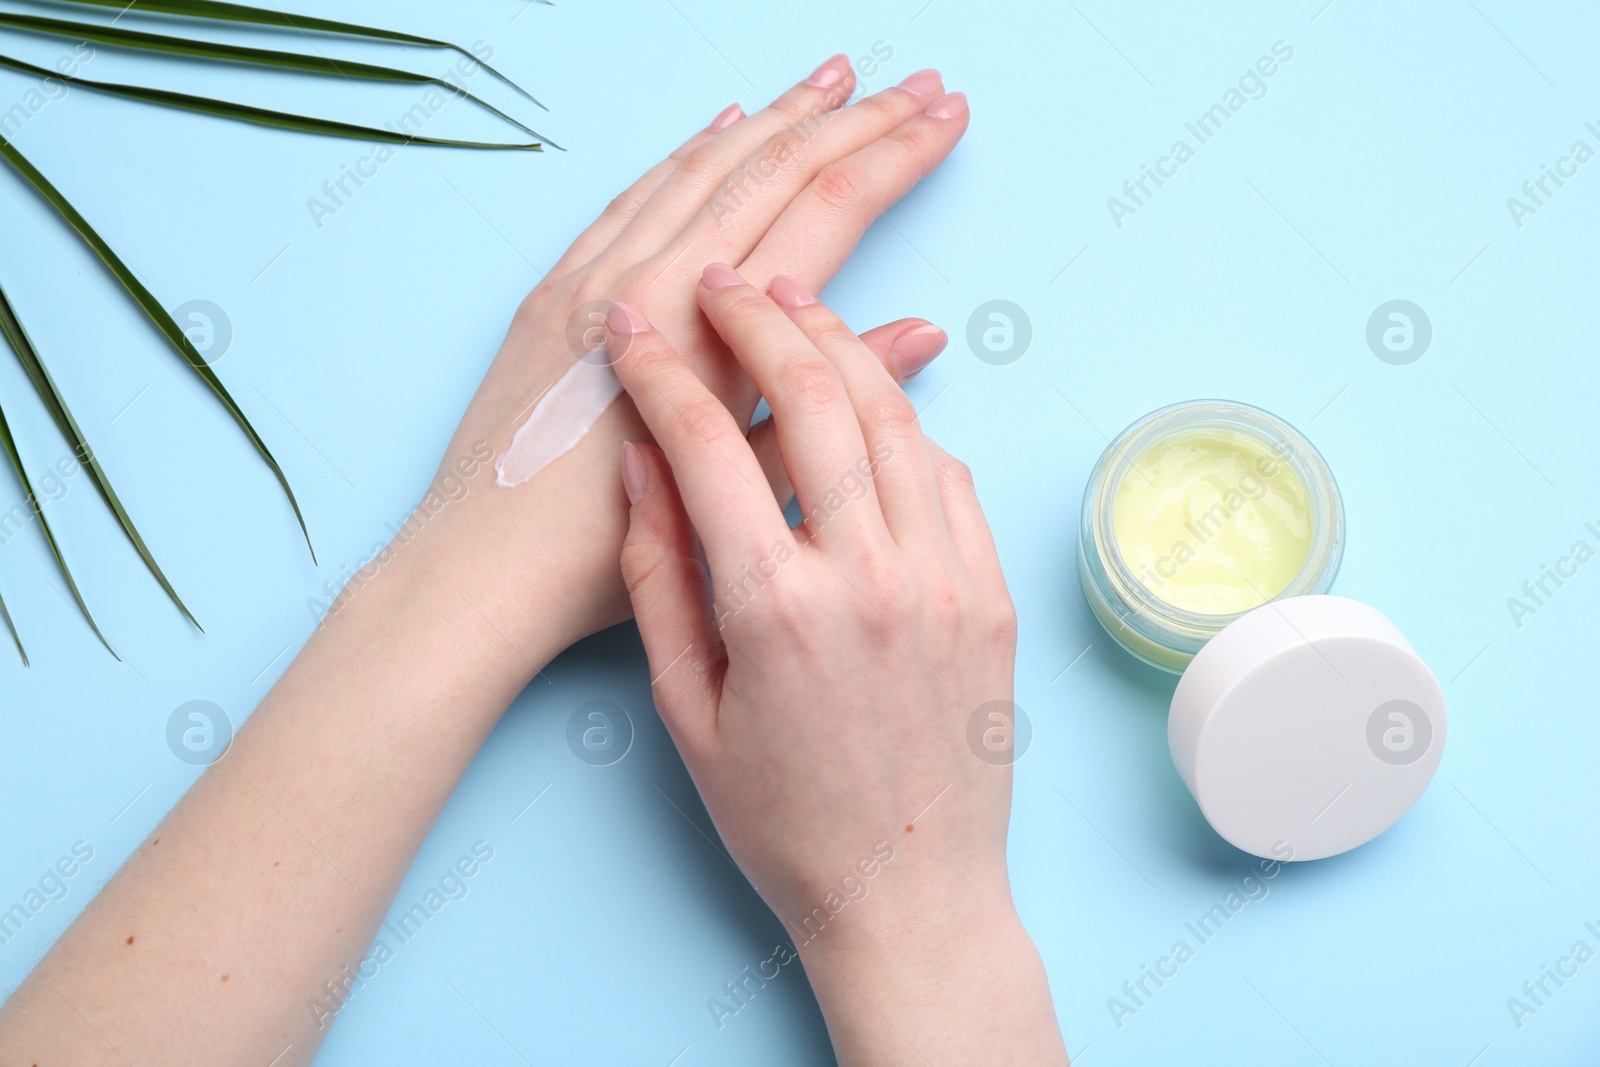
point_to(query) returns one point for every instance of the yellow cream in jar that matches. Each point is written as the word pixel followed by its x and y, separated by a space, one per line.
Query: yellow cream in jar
pixel 1212 521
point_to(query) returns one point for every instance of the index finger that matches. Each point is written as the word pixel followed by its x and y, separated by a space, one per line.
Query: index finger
pixel 723 488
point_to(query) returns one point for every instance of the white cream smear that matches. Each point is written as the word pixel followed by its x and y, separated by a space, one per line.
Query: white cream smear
pixel 560 419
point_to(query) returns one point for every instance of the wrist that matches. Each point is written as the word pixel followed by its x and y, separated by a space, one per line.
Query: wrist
pixel 418 606
pixel 953 973
pixel 902 927
pixel 535 567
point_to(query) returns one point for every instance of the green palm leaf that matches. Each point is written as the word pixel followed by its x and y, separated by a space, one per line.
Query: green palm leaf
pixel 49 535
pixel 158 314
pixel 117 37
pixel 45 386
pixel 15 635
pixel 213 9
pixel 259 115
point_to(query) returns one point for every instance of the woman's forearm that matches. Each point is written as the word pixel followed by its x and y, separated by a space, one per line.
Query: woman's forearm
pixel 229 926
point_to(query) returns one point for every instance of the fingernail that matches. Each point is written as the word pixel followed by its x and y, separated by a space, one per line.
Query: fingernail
pixel 923 82
pixel 725 118
pixel 635 475
pixel 830 73
pixel 916 348
pixel 948 106
pixel 624 320
pixel 790 293
pixel 719 276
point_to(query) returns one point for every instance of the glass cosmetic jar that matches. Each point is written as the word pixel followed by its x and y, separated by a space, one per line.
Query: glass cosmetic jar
pixel 1197 514
pixel 1304 724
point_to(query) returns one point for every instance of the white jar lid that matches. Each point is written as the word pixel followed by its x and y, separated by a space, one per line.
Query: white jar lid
pixel 1306 727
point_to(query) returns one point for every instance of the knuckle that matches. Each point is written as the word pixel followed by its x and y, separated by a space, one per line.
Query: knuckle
pixel 954 473
pixel 1003 623
pixel 883 108
pixel 839 186
pixel 681 153
pixel 806 110
pixel 624 205
pixel 536 305
pixel 629 288
pixel 545 290
pixel 785 147
pixel 709 162
pixel 917 144
pixel 702 420
pixel 889 589
pixel 590 287
pixel 790 106
pixel 892 412
pixel 832 333
pixel 762 593
pixel 641 557
pixel 645 359
pixel 788 603
pixel 746 303
pixel 809 384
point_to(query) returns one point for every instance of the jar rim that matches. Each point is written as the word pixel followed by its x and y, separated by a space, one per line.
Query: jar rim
pixel 1158 621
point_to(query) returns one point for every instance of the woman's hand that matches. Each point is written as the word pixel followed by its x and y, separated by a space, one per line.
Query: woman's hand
pixel 821 684
pixel 308 825
pixel 790 188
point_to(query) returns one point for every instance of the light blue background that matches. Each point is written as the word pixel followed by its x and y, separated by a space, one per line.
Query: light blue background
pixel 1377 166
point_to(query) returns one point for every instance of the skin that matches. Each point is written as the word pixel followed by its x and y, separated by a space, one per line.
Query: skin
pixel 823 712
pixel 273 873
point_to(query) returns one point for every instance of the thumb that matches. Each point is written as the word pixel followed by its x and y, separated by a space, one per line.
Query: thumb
pixel 671 596
pixel 905 346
